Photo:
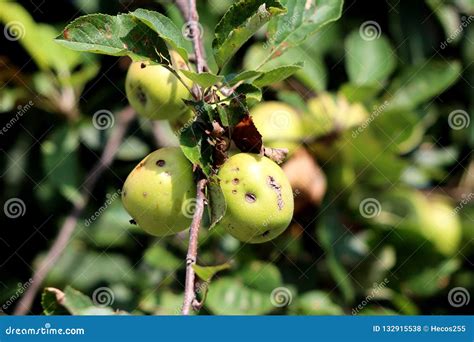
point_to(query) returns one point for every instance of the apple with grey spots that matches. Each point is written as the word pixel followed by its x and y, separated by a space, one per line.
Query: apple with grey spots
pixel 259 198
pixel 157 191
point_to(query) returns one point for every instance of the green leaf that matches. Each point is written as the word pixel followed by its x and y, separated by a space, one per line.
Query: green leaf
pixel 121 35
pixel 38 39
pixel 132 148
pixel 240 23
pixel 429 281
pixel 61 161
pixel 420 83
pixel 276 75
pixel 261 276
pixel 300 22
pixel 228 296
pixel 329 231
pixel 217 205
pixel 243 76
pixel 196 148
pixel 55 301
pixel 165 28
pixel 75 268
pixel 158 257
pixel 204 79
pixel 368 61
pixel 401 131
pixel 317 303
pixel 207 272
pixel 251 92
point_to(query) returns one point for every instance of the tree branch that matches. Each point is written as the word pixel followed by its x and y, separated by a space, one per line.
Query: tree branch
pixel 69 225
pixel 189 292
pixel 190 14
pixel 189 11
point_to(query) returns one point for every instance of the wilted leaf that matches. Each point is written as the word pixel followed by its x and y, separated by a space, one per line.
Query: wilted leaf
pixel 246 136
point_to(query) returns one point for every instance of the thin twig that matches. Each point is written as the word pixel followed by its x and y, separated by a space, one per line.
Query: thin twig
pixel 189 292
pixel 69 225
pixel 189 11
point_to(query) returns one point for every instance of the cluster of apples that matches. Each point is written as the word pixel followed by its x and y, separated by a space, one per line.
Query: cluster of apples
pixel 159 192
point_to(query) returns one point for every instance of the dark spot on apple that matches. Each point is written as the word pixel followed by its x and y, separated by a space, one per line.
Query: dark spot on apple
pixel 160 163
pixel 265 233
pixel 235 181
pixel 143 65
pixel 234 191
pixel 132 221
pixel 141 96
pixel 251 198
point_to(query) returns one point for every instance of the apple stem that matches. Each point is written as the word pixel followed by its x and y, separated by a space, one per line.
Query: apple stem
pixel 189 292
pixel 67 229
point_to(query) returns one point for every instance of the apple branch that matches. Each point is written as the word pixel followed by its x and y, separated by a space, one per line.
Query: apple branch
pixel 190 14
pixel 189 291
pixel 69 225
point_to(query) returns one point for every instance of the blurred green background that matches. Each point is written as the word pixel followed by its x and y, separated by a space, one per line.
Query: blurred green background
pixel 385 220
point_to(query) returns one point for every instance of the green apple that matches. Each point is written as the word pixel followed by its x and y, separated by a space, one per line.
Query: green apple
pixel 159 193
pixel 154 92
pixel 259 198
pixel 279 124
